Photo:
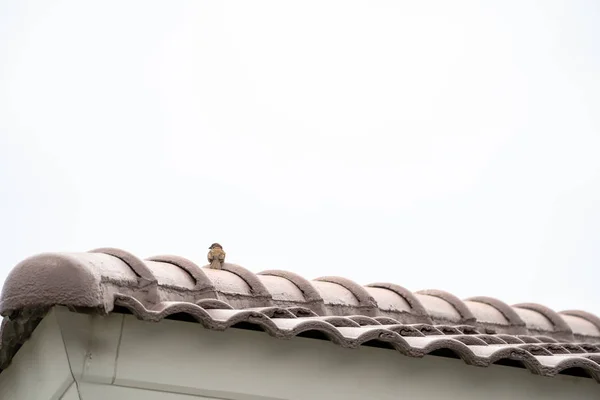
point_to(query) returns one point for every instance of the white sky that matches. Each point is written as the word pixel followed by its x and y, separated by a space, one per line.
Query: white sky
pixel 449 145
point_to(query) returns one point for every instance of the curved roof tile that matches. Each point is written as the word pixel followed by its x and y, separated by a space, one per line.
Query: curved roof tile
pixel 307 289
pixel 170 275
pixel 138 266
pixel 362 296
pixel 450 308
pixel 201 280
pixel 227 283
pixel 282 290
pixel 507 312
pixel 582 323
pixel 495 315
pixel 395 299
pixel 121 271
pixel 257 289
pixel 336 295
pixel 286 305
pixel 539 318
pixel 60 278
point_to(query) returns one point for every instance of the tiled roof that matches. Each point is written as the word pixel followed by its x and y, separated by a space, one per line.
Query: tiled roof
pixel 480 330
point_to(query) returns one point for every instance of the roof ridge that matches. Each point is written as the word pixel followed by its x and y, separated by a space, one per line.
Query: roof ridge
pixel 480 330
pixel 89 279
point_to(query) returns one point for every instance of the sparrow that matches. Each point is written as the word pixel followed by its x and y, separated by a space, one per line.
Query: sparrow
pixel 216 256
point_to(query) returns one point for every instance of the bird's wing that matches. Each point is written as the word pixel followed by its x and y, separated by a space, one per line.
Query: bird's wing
pixel 210 256
pixel 222 255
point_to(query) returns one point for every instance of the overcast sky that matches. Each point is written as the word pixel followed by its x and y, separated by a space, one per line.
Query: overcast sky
pixel 449 145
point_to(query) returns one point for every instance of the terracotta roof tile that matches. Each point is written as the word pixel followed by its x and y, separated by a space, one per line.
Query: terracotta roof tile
pixel 481 330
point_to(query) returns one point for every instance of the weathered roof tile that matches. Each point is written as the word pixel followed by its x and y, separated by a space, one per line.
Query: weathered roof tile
pixel 480 330
pixel 583 324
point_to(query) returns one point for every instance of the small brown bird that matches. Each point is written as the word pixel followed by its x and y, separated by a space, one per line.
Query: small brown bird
pixel 216 256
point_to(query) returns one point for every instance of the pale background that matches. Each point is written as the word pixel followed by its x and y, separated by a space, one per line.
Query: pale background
pixel 449 145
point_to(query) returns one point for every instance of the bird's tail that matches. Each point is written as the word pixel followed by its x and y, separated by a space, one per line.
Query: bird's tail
pixel 215 264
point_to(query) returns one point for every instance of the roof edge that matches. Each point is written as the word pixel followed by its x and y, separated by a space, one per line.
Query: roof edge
pixel 50 279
